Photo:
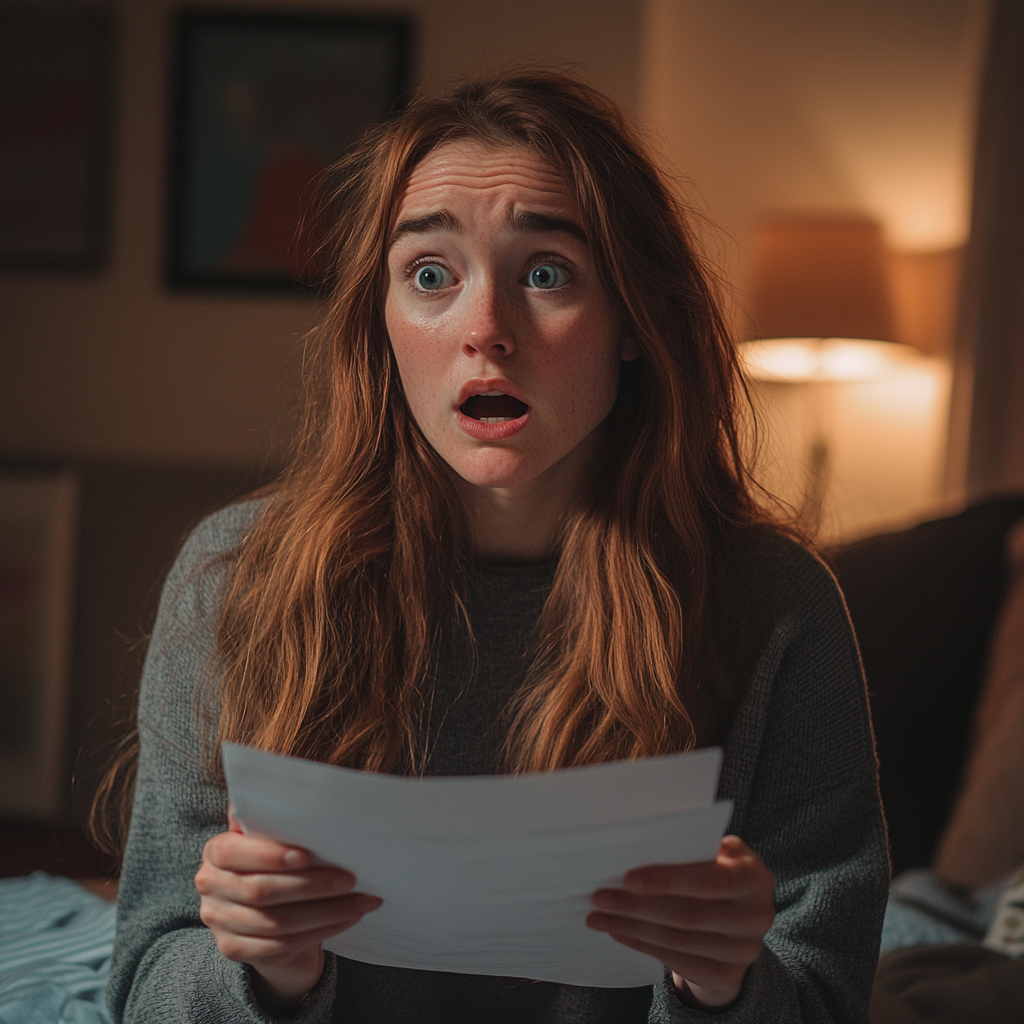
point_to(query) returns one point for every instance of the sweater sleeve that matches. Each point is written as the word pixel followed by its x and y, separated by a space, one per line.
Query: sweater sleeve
pixel 800 765
pixel 166 965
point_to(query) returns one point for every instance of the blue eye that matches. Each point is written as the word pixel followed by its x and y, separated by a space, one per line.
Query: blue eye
pixel 431 277
pixel 548 275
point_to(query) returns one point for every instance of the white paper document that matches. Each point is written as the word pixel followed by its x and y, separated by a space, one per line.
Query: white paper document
pixel 488 874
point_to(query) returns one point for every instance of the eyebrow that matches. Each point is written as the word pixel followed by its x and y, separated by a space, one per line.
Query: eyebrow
pixel 525 220
pixel 440 221
pixel 522 220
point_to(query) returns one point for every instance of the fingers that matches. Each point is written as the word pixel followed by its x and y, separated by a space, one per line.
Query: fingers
pixel 731 917
pixel 736 871
pixel 732 895
pixel 236 851
pixel 262 872
pixel 268 906
pixel 709 965
pixel 706 922
pixel 286 921
pixel 674 944
pixel 712 972
pixel 259 889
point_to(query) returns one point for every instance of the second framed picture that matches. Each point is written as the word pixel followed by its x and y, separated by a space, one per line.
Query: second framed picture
pixel 265 103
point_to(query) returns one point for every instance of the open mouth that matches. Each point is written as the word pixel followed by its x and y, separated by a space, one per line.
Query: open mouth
pixel 493 407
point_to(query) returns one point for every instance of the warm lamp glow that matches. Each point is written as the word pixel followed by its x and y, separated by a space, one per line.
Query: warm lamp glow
pixel 855 420
pixel 859 455
pixel 796 360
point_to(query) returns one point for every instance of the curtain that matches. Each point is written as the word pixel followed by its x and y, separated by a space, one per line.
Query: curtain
pixel 987 424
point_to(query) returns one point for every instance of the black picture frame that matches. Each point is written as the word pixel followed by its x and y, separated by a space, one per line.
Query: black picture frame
pixel 263 104
pixel 56 77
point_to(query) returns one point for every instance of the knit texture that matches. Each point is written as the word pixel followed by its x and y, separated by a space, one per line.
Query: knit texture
pixel 799 764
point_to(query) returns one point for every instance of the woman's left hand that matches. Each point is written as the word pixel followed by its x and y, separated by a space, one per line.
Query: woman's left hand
pixel 705 922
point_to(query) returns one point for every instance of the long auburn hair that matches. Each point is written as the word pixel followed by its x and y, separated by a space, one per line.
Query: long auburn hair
pixel 339 590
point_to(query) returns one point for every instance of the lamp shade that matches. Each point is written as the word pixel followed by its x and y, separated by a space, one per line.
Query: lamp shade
pixel 820 277
pixel 854 423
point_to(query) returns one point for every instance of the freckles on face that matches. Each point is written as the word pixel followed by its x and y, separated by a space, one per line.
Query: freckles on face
pixel 507 345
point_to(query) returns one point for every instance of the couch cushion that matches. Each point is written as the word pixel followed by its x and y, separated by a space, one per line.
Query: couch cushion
pixel 923 602
pixel 984 838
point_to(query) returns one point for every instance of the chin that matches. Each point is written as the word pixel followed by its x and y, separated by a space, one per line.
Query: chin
pixel 489 471
pixel 495 481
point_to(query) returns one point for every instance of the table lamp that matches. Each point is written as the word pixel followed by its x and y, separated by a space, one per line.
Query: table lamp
pixel 859 413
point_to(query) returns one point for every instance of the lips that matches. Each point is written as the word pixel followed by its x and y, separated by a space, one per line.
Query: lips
pixel 491 409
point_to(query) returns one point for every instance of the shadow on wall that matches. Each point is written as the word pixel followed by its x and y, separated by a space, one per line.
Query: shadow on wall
pixel 133 519
pixel 127 524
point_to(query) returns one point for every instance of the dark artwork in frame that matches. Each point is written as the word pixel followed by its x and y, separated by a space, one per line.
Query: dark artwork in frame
pixel 55 100
pixel 265 103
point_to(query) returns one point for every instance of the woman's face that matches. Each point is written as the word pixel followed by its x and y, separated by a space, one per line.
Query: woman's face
pixel 507 344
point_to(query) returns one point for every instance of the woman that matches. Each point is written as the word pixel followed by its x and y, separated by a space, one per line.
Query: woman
pixel 517 536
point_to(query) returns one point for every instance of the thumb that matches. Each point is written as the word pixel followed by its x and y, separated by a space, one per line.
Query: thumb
pixel 733 848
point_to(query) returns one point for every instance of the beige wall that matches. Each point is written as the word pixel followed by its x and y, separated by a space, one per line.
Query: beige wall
pixel 117 367
pixel 765 104
pixel 866 107
pixel 775 105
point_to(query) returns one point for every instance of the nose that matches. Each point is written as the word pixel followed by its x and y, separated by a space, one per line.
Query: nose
pixel 488 328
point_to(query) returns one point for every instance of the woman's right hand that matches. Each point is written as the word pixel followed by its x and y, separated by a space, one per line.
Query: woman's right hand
pixel 267 907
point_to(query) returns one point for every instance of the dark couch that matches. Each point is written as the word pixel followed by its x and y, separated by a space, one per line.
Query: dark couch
pixel 924 602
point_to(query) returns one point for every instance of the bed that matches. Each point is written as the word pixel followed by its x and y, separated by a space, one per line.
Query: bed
pixel 56 936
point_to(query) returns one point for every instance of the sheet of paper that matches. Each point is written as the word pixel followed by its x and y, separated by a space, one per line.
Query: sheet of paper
pixel 488 874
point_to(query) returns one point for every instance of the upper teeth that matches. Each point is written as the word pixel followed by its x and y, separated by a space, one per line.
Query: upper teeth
pixel 491 394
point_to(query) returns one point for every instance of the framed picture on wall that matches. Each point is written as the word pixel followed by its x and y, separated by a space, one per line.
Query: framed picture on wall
pixel 38 526
pixel 55 99
pixel 265 103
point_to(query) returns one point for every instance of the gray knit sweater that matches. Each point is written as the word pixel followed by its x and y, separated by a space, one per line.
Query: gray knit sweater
pixel 799 764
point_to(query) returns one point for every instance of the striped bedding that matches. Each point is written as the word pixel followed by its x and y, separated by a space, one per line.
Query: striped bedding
pixel 55 943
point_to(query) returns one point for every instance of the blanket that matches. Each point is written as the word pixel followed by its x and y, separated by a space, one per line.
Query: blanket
pixel 55 944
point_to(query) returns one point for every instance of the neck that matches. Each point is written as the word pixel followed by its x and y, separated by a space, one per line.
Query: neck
pixel 513 526
pixel 520 525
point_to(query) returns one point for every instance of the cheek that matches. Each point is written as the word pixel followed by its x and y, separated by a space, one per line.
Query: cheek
pixel 418 358
pixel 588 372
pixel 601 392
